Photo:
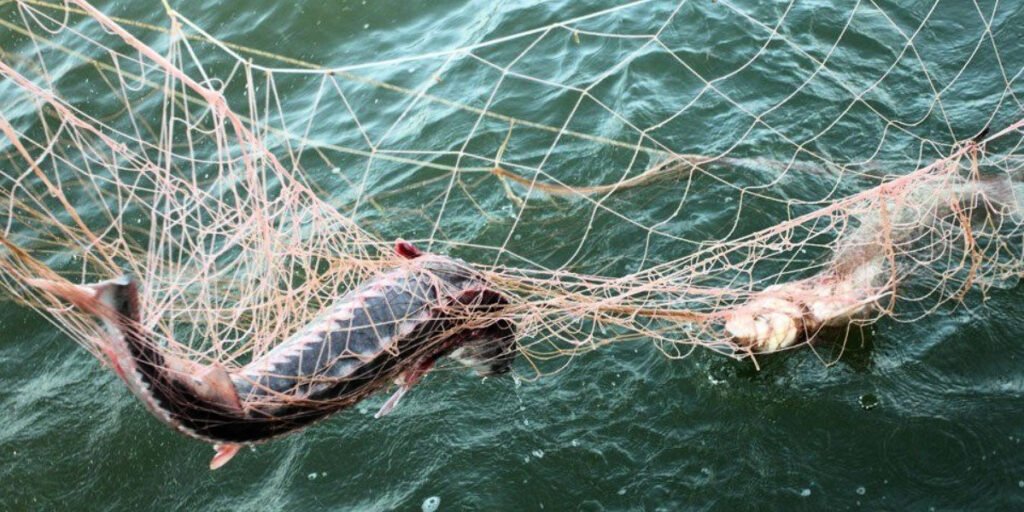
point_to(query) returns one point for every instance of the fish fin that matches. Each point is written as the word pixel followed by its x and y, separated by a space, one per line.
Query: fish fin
pixel 210 382
pixel 392 402
pixel 225 452
pixel 218 387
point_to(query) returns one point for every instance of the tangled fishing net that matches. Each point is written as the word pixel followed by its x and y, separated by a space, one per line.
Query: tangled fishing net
pixel 606 208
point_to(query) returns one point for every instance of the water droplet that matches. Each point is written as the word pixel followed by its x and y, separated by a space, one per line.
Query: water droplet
pixel 805 493
pixel 1019 484
pixel 366 26
pixel 622 492
pixel 431 504
pixel 868 401
pixel 311 476
pixel 861 490
pixel 575 442
pixel 538 453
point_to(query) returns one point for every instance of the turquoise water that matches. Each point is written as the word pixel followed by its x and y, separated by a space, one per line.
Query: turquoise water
pixel 913 416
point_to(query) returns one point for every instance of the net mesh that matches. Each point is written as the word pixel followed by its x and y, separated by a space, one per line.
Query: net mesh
pixel 734 176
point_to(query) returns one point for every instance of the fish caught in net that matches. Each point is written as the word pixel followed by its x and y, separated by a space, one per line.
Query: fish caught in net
pixel 236 251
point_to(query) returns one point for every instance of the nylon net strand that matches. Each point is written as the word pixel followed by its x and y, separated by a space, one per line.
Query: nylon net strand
pixel 607 210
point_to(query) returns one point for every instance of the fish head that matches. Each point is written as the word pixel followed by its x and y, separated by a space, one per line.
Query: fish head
pixel 490 351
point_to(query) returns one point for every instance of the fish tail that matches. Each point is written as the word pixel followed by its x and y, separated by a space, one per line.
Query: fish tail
pixel 112 300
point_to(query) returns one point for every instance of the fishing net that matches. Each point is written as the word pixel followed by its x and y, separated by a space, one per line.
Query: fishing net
pixel 734 176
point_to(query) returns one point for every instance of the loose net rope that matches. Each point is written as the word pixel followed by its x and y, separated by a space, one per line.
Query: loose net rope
pixel 665 186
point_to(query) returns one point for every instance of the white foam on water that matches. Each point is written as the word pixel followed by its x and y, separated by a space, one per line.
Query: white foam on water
pixel 431 504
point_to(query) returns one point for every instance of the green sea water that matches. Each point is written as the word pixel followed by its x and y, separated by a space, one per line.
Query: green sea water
pixel 924 415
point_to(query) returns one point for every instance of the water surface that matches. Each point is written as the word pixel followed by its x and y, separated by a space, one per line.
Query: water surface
pixel 923 415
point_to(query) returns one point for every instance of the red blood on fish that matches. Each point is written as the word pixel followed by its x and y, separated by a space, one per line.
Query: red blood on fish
pixel 407 250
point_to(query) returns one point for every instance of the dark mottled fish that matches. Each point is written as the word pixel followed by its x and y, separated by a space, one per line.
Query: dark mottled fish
pixel 392 328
